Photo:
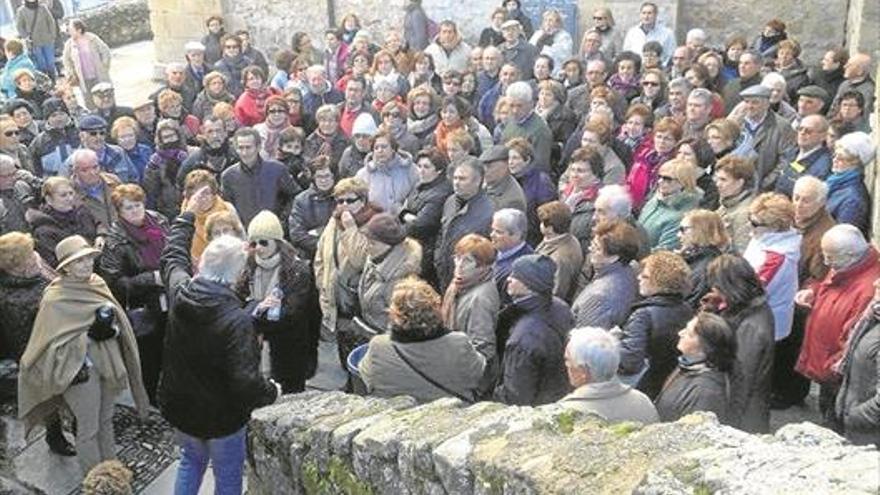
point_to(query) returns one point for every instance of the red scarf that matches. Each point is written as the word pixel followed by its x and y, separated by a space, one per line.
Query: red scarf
pixel 149 239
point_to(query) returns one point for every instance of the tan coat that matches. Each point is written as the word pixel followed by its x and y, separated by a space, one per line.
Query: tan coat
pixel 565 250
pixel 735 214
pixel 613 401
pixel 350 248
pixel 378 280
pixel 100 50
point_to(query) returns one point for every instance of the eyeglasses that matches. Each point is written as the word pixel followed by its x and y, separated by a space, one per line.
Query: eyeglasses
pixel 381 146
pixel 261 242
pixel 11 133
pixel 667 178
pixel 650 83
pixel 598 18
pixel 95 133
pixel 347 201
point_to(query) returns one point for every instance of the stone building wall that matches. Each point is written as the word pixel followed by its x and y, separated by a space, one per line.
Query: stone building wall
pixel 321 443
pixel 121 22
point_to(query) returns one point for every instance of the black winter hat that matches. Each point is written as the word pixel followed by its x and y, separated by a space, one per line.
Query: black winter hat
pixel 536 271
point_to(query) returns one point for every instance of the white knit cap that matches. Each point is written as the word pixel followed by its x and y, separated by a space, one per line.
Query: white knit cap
pixel 364 125
pixel 858 144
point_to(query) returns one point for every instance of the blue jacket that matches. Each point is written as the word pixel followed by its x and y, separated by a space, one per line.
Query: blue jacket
pixel 112 159
pixel 533 366
pixel 486 106
pixel 7 79
pixel 848 200
pixel 817 164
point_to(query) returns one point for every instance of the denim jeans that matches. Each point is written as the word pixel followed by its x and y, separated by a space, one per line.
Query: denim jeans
pixel 227 462
pixel 44 59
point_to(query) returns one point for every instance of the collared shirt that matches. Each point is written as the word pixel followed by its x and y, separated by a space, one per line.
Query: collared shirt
pixel 507 253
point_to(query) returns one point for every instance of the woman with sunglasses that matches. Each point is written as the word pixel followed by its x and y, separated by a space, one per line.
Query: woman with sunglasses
pixel 774 252
pixel 11 145
pixel 676 194
pixel 394 121
pixel 655 150
pixel 281 293
pixel 653 89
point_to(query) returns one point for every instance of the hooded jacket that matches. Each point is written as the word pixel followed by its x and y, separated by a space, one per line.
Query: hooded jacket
pixel 210 375
pixel 774 256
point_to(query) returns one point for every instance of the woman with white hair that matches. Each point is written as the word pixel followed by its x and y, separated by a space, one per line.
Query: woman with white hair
pixel 848 198
pixel 591 359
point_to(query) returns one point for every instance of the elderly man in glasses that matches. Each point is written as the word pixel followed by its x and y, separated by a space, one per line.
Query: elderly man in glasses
pixel 111 158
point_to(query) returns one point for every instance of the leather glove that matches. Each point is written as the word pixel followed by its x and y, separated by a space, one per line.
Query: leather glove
pixel 103 327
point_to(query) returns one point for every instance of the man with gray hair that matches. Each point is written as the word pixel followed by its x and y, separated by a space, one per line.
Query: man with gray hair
pixel 591 359
pixel 211 379
pixel 813 156
pixel 319 91
pixel 614 202
pixel 812 220
pixel 509 227
pixel 835 303
pixel 857 73
pixel 698 113
pixel 525 123
pixel 677 93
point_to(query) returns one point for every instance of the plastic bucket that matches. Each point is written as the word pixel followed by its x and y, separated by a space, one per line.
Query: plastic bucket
pixel 351 363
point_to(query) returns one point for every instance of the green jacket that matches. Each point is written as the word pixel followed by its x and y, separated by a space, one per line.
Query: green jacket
pixel 661 217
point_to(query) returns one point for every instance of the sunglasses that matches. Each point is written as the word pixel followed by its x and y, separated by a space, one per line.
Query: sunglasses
pixel 598 18
pixel 261 242
pixel 96 133
pixel 277 110
pixel 347 201
pixel 667 178
pixel 650 83
pixel 11 133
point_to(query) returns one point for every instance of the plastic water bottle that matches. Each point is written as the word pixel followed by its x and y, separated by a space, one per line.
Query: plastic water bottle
pixel 274 313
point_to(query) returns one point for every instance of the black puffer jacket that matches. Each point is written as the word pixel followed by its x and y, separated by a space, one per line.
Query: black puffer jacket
pixel 51 227
pixel 651 332
pixel 310 213
pixel 692 388
pixel 210 375
pixel 425 201
pixel 698 258
pixel 133 284
pixel 19 299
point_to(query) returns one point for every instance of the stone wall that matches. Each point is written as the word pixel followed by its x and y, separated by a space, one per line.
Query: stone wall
pixel 121 22
pixel 176 22
pixel 322 443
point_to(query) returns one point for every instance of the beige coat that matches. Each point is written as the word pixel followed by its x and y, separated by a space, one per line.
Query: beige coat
pixel 72 65
pixel 378 280
pixel 350 247
pixel 735 214
pixel 613 401
pixel 565 250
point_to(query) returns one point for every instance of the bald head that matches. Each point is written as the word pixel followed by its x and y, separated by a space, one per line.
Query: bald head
pixel 858 66
pixel 843 246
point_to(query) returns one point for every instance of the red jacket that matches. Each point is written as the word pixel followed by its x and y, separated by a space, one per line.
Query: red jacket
pixel 840 298
pixel 250 109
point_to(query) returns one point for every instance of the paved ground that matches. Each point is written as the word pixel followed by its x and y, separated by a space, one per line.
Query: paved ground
pixel 131 71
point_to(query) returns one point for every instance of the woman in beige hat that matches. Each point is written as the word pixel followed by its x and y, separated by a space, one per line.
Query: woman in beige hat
pixel 284 302
pixel 82 353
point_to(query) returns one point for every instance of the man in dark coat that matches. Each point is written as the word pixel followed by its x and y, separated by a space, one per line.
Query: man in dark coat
pixel 214 155
pixel 772 136
pixel 254 184
pixel 813 156
pixel 533 365
pixel 467 211
pixel 750 63
pixel 211 379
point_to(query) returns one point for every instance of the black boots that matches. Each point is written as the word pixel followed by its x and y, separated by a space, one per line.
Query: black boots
pixel 55 438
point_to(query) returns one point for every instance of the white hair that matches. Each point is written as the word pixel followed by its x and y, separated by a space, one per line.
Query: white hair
pixel 80 155
pixel 315 69
pixel 223 260
pixel 773 80
pixel 848 241
pixel 696 34
pixel 595 350
pixel 703 95
pixel 681 83
pixel 859 145
pixel 618 198
pixel 513 221
pixel 818 187
pixel 520 91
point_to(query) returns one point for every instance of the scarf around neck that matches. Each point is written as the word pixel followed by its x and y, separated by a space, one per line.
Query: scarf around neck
pixel 149 239
pixel 457 287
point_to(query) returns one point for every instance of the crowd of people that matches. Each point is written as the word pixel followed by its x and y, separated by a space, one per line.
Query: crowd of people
pixel 631 227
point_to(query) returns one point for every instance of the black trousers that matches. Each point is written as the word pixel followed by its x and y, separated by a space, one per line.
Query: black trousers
pixel 289 361
pixel 789 386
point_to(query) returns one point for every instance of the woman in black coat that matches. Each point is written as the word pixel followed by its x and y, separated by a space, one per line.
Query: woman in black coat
pixel 312 208
pixel 703 238
pixel 60 217
pixel 649 336
pixel 737 295
pixel 130 265
pixel 701 380
pixel 283 301
pixel 423 207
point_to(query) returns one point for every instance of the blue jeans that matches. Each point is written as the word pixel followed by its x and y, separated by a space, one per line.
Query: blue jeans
pixel 44 59
pixel 227 461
